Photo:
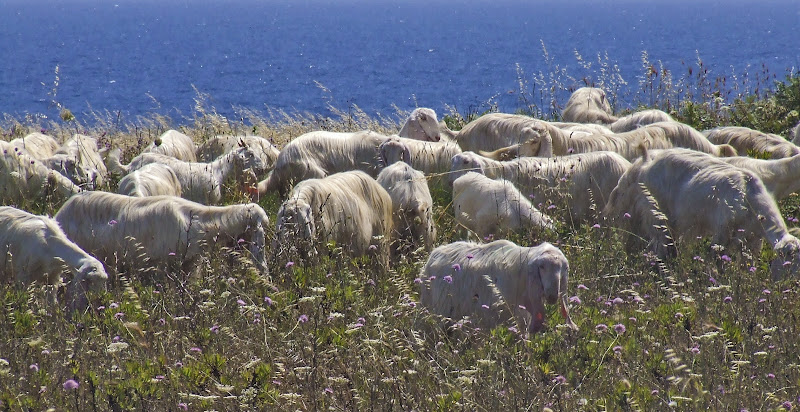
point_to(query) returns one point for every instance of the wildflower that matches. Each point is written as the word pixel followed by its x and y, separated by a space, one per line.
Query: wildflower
pixel 726 258
pixel 601 327
pixel 635 284
pixel 627 215
pixel 619 328
pixel 162 321
pixel 522 307
pixel 596 226
pixel 178 364
pixel 289 264
pixel 101 307
pixel 182 406
pixel 771 375
pixel 787 263
pixel 448 279
pixel 116 339
pixel 268 300
pixel 617 301
pixel 432 278
pixel 45 352
pixel 328 391
pixel 119 315
pixel 766 291
pixel 112 222
pixel 654 392
pixel 632 319
pixel 571 150
pixel 787 405
pixel 303 318
pixel 752 269
pixel 470 256
pixel 727 299
pixel 712 280
pixel 551 207
pixel 559 380
pixel 678 315
pixel 171 253
pixel 70 384
pixel 485 306
pixel 762 300
pixel 373 247
pixel 574 299
pixel 698 258
pixel 214 329
pixel 513 329
pixel 582 287
pixel 412 304
pixel 370 282
pixel 456 266
pixel 160 377
pixel 695 350
pixel 113 305
pixel 195 349
pixel 638 299
pixel 34 367
pixel 617 349
pixel 417 281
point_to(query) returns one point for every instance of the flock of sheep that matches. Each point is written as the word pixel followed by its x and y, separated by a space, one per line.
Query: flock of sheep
pixel 369 193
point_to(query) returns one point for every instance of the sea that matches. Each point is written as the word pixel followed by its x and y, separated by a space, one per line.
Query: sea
pixel 130 58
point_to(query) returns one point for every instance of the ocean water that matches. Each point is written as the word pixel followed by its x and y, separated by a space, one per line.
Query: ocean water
pixel 141 56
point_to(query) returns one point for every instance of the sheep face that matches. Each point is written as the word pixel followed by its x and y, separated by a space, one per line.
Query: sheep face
pixel 296 224
pixel 393 151
pixel 69 167
pixel 464 163
pixel 90 276
pixel 246 158
pixel 422 124
pixel 787 262
pixel 546 281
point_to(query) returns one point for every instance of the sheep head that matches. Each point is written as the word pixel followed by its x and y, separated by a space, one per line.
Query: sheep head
pixel 246 158
pixel 393 150
pixel 463 163
pixel 89 276
pixel 422 124
pixel 787 262
pixel 546 281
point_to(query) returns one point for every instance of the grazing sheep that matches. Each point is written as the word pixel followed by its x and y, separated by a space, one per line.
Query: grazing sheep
pixel 781 177
pixel 663 135
pixel 152 179
pixel 218 146
pixel 575 184
pixel 349 208
pixel 638 119
pixel 80 160
pixel 493 207
pixel 412 207
pixel 35 249
pixel 495 282
pixel 200 182
pixel 128 230
pixel 431 158
pixel 497 130
pixel 37 145
pixel 23 178
pixel 532 148
pixel 745 139
pixel 421 125
pixel 588 105
pixel 794 134
pixel 319 154
pixel 696 195
pixel 175 144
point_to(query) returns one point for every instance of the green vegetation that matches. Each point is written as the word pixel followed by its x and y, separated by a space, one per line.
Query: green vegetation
pixel 696 332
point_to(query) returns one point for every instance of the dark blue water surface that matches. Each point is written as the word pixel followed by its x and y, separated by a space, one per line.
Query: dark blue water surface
pixel 138 56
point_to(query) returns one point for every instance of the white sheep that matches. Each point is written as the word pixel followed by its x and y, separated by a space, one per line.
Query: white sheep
pixel 200 182
pixel 37 145
pixel 220 145
pixel 81 161
pixel 412 207
pixel 431 158
pixel 421 124
pixel 348 208
pixel 745 139
pixel 23 178
pixel 35 249
pixel 638 119
pixel 497 130
pixel 173 143
pixel 780 176
pixel 494 207
pixel 152 179
pixel 696 195
pixel 164 230
pixel 321 153
pixel 576 186
pixel 495 282
pixel 588 105
pixel 794 134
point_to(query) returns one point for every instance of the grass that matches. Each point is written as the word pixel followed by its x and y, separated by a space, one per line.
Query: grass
pixel 696 332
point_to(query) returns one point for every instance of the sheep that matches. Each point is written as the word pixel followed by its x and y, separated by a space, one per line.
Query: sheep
pixel 694 194
pixel 494 207
pixel 119 229
pixel 582 128
pixel 152 179
pixel 80 160
pixel 37 145
pixel 23 178
pixel 35 249
pixel 745 140
pixel 421 124
pixel 575 184
pixel 431 158
pixel 497 130
pixel 348 208
pixel 200 182
pixel 780 176
pixel 495 282
pixel 175 144
pixel 412 207
pixel 794 134
pixel 539 147
pixel 662 135
pixel 318 154
pixel 219 145
pixel 638 119
pixel 588 105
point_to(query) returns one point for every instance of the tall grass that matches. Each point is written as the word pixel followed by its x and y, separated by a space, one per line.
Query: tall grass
pixel 695 332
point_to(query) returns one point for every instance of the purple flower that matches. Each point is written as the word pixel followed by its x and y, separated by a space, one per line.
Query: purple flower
pixel 551 207
pixel 116 339
pixel 162 321
pixel 559 380
pixel 417 281
pixel 289 264
pixel 183 406
pixel 762 300
pixel 617 349
pixel 195 349
pixel 695 350
pixel 619 328
pixel 370 282
pixel 303 318
pixel 171 253
pixel 119 315
pixel 596 226
pixel 582 287
pixel 787 405
pixel 726 258
pixel 771 375
pixel 627 215
pixel 113 305
pixel 601 327
pixel 654 392
pixel 456 266
pixel 485 306
pixel 70 384
pixel 698 258
pixel 678 315
pixel 240 241
pixel 328 391
pixel 513 329
pixel 571 150
pixel 268 300
pixel 787 263
pixel 574 299
pixel 727 299
pixel 448 279
pixel 112 222
pixel 34 367
pixel 470 256
pixel 373 247
pixel 752 269
pixel 214 328
pixel 412 304
pixel 160 377
pixel 766 291
pixel 712 280
pixel 617 301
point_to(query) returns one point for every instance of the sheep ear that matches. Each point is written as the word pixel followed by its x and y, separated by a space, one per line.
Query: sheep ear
pixel 406 155
pixel 535 303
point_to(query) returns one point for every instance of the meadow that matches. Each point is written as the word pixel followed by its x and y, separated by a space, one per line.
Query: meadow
pixel 700 331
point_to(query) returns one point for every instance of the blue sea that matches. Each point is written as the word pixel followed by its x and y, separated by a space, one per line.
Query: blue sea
pixel 136 57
